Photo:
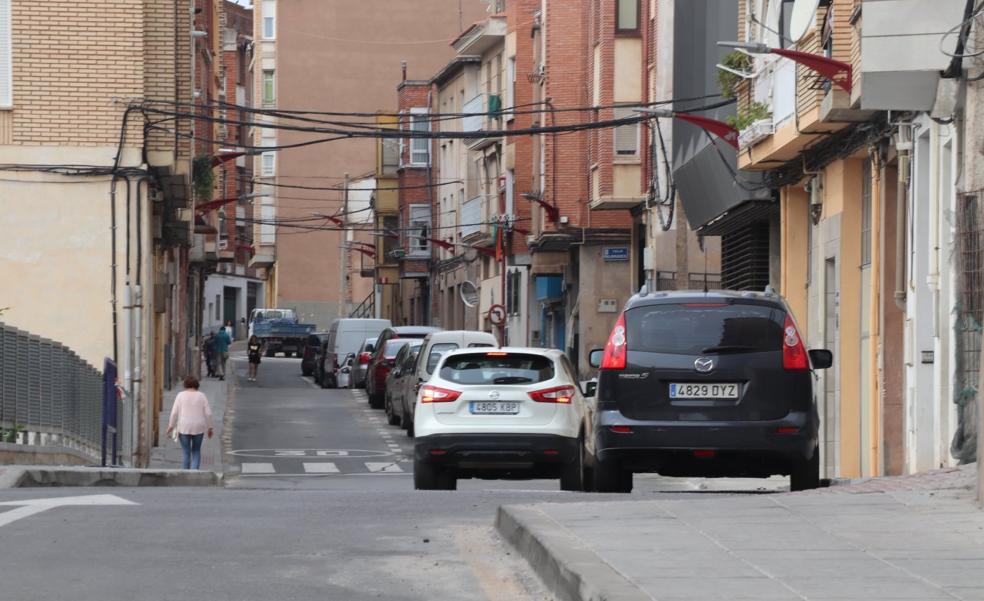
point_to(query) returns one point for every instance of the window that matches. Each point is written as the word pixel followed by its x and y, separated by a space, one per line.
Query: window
pixel 436 352
pixel 391 155
pixel 682 330
pixel 627 17
pixel 269 89
pixel 6 59
pixel 269 20
pixel 268 165
pixel 268 214
pixel 510 85
pixel 223 230
pixel 513 287
pixel 497 368
pixel 626 136
pixel 420 147
pixel 420 231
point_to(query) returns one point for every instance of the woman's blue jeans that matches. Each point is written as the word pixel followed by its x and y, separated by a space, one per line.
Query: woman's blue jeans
pixel 191 444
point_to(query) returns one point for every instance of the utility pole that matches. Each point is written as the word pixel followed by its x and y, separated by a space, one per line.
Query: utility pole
pixel 346 281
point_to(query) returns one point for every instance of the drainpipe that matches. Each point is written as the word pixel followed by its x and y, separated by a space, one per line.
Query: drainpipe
pixel 933 276
pixel 903 144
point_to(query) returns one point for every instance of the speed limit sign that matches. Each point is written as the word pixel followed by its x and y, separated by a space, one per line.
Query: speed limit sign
pixel 497 315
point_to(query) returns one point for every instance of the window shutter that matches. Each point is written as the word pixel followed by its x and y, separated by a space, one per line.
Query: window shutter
pixel 6 58
pixel 626 136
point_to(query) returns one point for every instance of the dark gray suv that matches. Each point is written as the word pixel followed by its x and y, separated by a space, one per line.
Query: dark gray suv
pixel 704 384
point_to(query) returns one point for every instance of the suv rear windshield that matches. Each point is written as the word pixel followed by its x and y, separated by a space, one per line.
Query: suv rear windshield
pixel 497 368
pixel 698 328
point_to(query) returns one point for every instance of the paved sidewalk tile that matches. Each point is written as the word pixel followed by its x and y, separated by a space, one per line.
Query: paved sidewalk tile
pixel 877 540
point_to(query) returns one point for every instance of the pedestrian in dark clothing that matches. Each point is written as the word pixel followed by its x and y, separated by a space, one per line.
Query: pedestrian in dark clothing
pixel 253 349
pixel 210 354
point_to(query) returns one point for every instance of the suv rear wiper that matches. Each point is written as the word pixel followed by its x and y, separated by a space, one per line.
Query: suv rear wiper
pixel 728 348
pixel 511 380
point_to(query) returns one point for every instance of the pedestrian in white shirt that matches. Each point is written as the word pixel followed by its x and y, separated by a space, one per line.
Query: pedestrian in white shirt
pixel 191 417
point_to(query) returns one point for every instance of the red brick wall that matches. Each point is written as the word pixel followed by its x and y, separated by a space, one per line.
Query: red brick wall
pixel 519 16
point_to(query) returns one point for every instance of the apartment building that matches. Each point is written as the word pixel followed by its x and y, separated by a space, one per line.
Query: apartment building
pixel 861 145
pixel 97 216
pixel 233 287
pixel 339 56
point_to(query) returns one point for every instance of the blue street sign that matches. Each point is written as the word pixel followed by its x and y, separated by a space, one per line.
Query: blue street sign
pixel 615 253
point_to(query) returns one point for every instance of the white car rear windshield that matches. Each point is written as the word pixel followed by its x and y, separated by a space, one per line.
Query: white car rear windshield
pixel 497 368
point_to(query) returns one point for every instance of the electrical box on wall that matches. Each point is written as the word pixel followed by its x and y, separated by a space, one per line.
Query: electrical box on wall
pixel 608 305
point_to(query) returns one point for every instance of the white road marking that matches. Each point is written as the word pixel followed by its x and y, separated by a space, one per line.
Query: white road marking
pixel 29 507
pixel 383 467
pixel 326 467
pixel 311 383
pixel 258 468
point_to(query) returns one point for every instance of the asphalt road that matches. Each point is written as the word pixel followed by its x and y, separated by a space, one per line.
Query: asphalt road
pixel 319 505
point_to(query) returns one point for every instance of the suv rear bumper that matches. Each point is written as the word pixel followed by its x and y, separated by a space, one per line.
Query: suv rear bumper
pixel 497 454
pixel 650 443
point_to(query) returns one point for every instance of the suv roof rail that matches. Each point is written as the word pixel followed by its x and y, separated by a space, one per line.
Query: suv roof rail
pixel 770 291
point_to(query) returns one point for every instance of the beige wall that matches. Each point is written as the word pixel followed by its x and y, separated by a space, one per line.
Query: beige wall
pixel 341 56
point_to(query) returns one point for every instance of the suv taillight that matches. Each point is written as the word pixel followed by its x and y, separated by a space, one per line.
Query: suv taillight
pixel 617 347
pixel 433 394
pixel 558 394
pixel 794 355
pixel 364 358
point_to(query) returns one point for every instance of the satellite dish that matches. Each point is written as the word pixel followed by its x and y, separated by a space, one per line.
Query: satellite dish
pixel 804 11
pixel 469 293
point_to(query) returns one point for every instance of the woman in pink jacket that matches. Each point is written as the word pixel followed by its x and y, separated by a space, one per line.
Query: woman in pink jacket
pixel 191 416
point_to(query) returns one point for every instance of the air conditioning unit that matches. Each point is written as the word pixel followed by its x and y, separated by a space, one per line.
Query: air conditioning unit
pixel 223 244
pixel 530 240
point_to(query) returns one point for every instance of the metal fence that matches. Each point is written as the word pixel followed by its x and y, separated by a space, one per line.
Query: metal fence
pixel 970 317
pixel 50 396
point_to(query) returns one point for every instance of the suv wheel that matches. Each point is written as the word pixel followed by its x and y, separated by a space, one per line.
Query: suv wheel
pixel 427 476
pixel 806 473
pixel 572 474
pixel 610 477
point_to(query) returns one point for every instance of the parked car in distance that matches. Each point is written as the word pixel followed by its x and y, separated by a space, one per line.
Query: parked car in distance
pixel 436 344
pixel 312 351
pixel 346 371
pixel 401 382
pixel 346 336
pixel 499 413
pixel 362 356
pixel 704 384
pixel 379 369
pixel 374 386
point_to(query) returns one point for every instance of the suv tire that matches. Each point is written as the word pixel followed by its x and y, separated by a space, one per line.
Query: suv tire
pixel 610 477
pixel 806 473
pixel 572 473
pixel 427 476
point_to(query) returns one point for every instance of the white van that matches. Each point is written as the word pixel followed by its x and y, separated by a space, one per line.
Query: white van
pixel 346 336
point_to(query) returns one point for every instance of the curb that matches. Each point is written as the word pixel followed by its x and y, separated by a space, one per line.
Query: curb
pixel 568 568
pixel 45 476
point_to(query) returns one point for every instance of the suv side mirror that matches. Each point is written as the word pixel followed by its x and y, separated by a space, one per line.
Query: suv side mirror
pixel 590 388
pixel 821 358
pixel 595 357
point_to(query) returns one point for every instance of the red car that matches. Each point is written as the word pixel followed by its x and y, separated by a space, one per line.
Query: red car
pixel 389 343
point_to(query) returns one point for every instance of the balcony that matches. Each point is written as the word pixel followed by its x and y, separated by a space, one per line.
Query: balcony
pixel 902 54
pixel 475 217
pixel 482 36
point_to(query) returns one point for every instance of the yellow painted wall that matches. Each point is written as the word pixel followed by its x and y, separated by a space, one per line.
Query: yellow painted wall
pixel 628 75
pixel 794 220
pixel 628 180
pixel 842 194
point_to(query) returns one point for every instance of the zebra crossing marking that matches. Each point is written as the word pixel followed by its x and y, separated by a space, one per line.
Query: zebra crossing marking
pixel 323 467
pixel 383 467
pixel 257 468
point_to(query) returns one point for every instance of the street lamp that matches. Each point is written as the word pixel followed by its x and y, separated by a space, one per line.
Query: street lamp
pixel 713 126
pixel 837 72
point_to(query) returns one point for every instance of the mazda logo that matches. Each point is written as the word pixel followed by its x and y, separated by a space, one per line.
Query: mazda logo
pixel 704 364
pixel 494 395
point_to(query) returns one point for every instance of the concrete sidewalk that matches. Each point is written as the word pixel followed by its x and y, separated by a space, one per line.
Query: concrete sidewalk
pixel 169 455
pixel 919 537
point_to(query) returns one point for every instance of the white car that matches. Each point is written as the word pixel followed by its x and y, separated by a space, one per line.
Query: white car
pixel 499 413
